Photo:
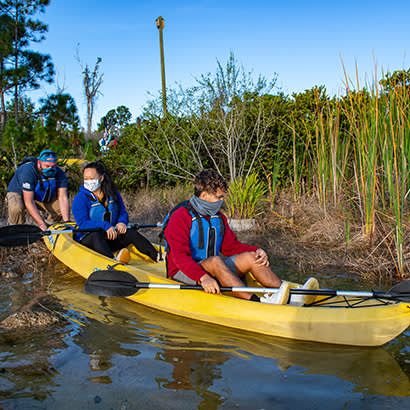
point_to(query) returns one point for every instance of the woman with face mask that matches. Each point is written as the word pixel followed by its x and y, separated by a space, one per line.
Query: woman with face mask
pixel 99 205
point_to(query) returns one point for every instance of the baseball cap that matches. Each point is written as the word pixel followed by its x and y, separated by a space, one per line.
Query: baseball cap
pixel 47 156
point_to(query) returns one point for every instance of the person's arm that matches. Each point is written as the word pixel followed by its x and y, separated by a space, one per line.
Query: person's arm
pixel 28 198
pixel 177 234
pixel 64 204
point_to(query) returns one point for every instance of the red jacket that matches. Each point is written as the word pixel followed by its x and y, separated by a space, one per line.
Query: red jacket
pixel 179 256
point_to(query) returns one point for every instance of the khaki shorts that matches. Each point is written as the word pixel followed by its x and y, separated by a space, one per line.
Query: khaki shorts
pixel 17 210
pixel 181 277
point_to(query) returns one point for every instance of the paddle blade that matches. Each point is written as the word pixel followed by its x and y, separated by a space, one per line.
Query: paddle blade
pixel 111 283
pixel 401 291
pixel 19 235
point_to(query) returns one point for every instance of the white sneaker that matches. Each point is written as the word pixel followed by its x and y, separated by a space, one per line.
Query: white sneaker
pixel 278 298
pixel 300 300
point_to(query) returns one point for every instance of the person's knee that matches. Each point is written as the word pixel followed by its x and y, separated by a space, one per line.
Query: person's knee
pixel 99 236
pixel 245 261
pixel 53 211
pixel 212 264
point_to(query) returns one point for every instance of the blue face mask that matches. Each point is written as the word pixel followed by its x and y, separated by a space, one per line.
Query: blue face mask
pixel 49 172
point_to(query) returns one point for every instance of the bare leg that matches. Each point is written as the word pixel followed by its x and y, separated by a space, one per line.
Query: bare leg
pixel 216 267
pixel 245 262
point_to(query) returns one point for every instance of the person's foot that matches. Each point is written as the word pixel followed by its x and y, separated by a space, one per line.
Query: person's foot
pixel 123 256
pixel 280 297
pixel 300 300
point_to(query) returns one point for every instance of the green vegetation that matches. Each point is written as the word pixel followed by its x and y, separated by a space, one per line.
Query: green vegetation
pixel 244 199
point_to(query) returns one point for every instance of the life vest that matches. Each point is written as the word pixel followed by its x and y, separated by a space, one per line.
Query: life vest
pixel 101 212
pixel 46 188
pixel 206 234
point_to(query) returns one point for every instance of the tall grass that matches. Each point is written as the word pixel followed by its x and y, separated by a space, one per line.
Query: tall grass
pixel 361 150
pixel 395 156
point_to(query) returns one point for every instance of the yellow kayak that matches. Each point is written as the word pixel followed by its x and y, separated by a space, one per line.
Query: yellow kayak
pixel 339 320
pixel 71 161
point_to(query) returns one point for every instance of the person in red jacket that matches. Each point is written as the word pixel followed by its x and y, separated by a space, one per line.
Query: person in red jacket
pixel 201 247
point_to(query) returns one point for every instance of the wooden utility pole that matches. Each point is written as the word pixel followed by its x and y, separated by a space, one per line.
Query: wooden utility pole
pixel 160 26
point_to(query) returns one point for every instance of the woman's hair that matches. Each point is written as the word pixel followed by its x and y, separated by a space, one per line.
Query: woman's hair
pixel 208 180
pixel 107 185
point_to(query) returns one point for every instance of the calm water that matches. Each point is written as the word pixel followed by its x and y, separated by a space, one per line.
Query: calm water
pixel 114 354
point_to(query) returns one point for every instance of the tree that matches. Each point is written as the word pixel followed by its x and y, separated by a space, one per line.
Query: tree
pixel 6 74
pixel 231 119
pixel 399 78
pixel 116 119
pixel 222 122
pixel 92 81
pixel 28 68
pixel 61 121
pixel 60 110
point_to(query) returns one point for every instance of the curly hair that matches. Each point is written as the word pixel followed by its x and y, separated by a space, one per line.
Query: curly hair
pixel 208 180
pixel 107 186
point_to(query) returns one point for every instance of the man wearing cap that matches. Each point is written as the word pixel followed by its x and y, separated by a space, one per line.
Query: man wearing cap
pixel 38 183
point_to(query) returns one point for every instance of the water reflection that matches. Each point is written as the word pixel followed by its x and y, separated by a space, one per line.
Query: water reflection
pixel 115 353
pixel 25 369
pixel 198 351
pixel 194 370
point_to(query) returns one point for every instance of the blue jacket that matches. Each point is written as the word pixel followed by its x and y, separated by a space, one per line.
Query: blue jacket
pixel 86 217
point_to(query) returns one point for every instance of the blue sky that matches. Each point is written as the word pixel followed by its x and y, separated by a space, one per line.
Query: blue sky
pixel 301 41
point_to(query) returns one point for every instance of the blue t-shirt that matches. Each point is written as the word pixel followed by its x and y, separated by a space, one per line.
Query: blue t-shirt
pixel 27 177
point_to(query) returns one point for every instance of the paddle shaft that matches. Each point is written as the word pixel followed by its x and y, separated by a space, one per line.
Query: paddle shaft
pixel 47 233
pixel 293 291
pixel 22 235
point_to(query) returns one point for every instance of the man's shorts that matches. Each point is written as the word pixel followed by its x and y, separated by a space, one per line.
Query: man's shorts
pixel 181 277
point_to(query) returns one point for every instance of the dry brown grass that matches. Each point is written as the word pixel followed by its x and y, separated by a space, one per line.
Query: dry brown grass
pixel 153 205
pixel 308 237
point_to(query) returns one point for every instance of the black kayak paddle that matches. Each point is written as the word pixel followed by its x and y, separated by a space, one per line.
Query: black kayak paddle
pixel 23 235
pixel 122 284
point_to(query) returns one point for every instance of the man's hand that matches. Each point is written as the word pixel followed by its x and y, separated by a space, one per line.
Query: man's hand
pixel 261 258
pixel 43 227
pixel 209 284
pixel 111 233
pixel 121 227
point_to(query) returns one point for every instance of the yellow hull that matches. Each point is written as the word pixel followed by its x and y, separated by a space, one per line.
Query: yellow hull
pixel 359 326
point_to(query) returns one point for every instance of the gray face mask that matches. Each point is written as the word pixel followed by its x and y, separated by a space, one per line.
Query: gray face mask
pixel 205 207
